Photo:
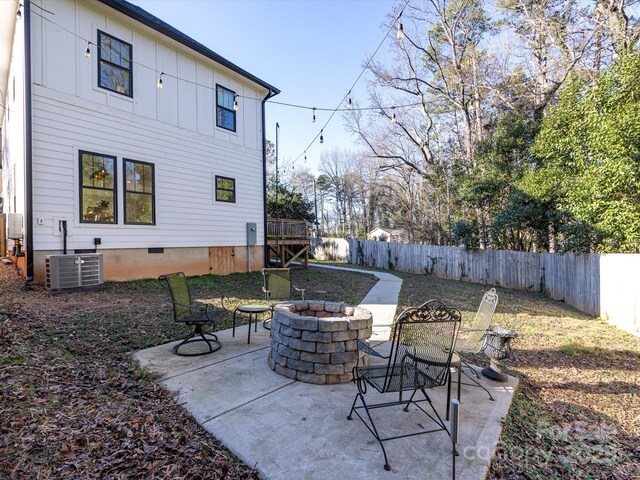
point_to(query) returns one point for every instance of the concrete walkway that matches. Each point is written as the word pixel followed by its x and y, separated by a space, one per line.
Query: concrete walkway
pixel 381 301
pixel 292 430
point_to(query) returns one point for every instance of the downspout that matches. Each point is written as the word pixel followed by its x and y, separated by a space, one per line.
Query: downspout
pixel 264 175
pixel 28 134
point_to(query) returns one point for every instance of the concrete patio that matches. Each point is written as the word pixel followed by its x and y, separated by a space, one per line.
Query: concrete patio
pixel 292 430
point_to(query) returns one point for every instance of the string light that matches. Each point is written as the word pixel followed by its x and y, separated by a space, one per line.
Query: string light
pixel 393 118
pixel 364 69
pixel 400 32
pixel 333 111
pixel 305 156
pixel 235 102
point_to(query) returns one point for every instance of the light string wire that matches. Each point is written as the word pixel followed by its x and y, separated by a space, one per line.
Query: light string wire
pixel 364 69
pixel 333 111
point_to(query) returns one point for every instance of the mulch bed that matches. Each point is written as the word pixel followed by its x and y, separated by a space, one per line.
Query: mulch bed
pixel 73 407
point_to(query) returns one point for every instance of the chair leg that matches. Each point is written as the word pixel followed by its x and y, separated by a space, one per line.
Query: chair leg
pixel 372 427
pixel 448 392
pixel 406 408
pixel 476 381
pixel 213 343
pixel 233 328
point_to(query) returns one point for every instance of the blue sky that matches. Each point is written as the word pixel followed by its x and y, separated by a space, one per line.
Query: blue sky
pixel 311 50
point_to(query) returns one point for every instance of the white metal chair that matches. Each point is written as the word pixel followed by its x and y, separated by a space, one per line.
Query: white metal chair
pixel 471 340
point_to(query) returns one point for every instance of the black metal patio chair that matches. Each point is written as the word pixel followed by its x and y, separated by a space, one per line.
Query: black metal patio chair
pixel 192 314
pixel 420 358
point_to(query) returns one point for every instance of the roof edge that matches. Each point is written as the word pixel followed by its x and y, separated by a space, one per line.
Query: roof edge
pixel 146 18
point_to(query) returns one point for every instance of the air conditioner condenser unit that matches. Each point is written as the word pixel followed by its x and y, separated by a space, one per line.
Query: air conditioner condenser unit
pixel 73 271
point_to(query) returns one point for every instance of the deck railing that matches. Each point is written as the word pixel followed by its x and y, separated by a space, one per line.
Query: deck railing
pixel 285 229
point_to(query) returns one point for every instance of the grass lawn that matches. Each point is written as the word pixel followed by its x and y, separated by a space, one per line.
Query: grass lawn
pixel 576 413
pixel 74 404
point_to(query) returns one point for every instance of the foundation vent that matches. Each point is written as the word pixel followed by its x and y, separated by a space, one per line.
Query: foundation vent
pixel 73 271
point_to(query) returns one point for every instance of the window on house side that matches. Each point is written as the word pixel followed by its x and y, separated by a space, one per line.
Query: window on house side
pixel 225 114
pixel 139 198
pixel 114 64
pixel 97 188
pixel 225 189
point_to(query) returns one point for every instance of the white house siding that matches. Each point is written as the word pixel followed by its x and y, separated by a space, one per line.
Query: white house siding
pixel 13 132
pixel 172 128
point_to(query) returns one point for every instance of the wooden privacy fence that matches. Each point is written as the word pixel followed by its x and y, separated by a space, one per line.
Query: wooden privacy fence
pixel 600 285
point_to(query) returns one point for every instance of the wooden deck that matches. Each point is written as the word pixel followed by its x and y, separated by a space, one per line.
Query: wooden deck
pixel 288 240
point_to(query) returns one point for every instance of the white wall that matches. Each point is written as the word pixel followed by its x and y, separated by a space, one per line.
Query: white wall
pixel 620 290
pixel 173 128
pixel 13 129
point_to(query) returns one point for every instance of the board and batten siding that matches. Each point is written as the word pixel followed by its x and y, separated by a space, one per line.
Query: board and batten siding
pixel 173 128
pixel 597 284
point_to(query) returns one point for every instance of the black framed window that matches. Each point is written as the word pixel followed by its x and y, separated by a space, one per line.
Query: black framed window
pixel 139 193
pixel 97 188
pixel 115 70
pixel 225 113
pixel 225 189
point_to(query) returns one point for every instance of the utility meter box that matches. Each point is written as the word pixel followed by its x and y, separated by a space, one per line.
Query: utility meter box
pixel 252 234
pixel 14 226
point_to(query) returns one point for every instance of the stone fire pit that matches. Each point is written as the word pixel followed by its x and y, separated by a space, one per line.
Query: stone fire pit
pixel 316 341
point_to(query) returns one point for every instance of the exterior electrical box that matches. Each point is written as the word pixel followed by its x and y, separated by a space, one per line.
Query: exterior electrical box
pixel 252 236
pixel 14 226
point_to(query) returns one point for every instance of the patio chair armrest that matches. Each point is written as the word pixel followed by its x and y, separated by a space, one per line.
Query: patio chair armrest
pixel 267 294
pixel 425 361
pixel 214 314
pixel 190 305
pixel 301 290
pixel 367 349
pixel 466 330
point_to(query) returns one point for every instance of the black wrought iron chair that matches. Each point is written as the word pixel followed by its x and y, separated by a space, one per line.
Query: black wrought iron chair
pixel 278 287
pixel 420 358
pixel 192 314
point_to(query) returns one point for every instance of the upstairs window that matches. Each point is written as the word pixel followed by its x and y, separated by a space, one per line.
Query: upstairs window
pixel 139 201
pixel 114 65
pixel 225 189
pixel 225 113
pixel 97 188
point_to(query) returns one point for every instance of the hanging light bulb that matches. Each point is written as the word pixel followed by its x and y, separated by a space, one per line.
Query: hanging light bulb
pixel 393 118
pixel 349 104
pixel 400 32
pixel 313 118
pixel 159 84
pixel 305 157
pixel 19 12
pixel 321 137
pixel 235 103
pixel 87 52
